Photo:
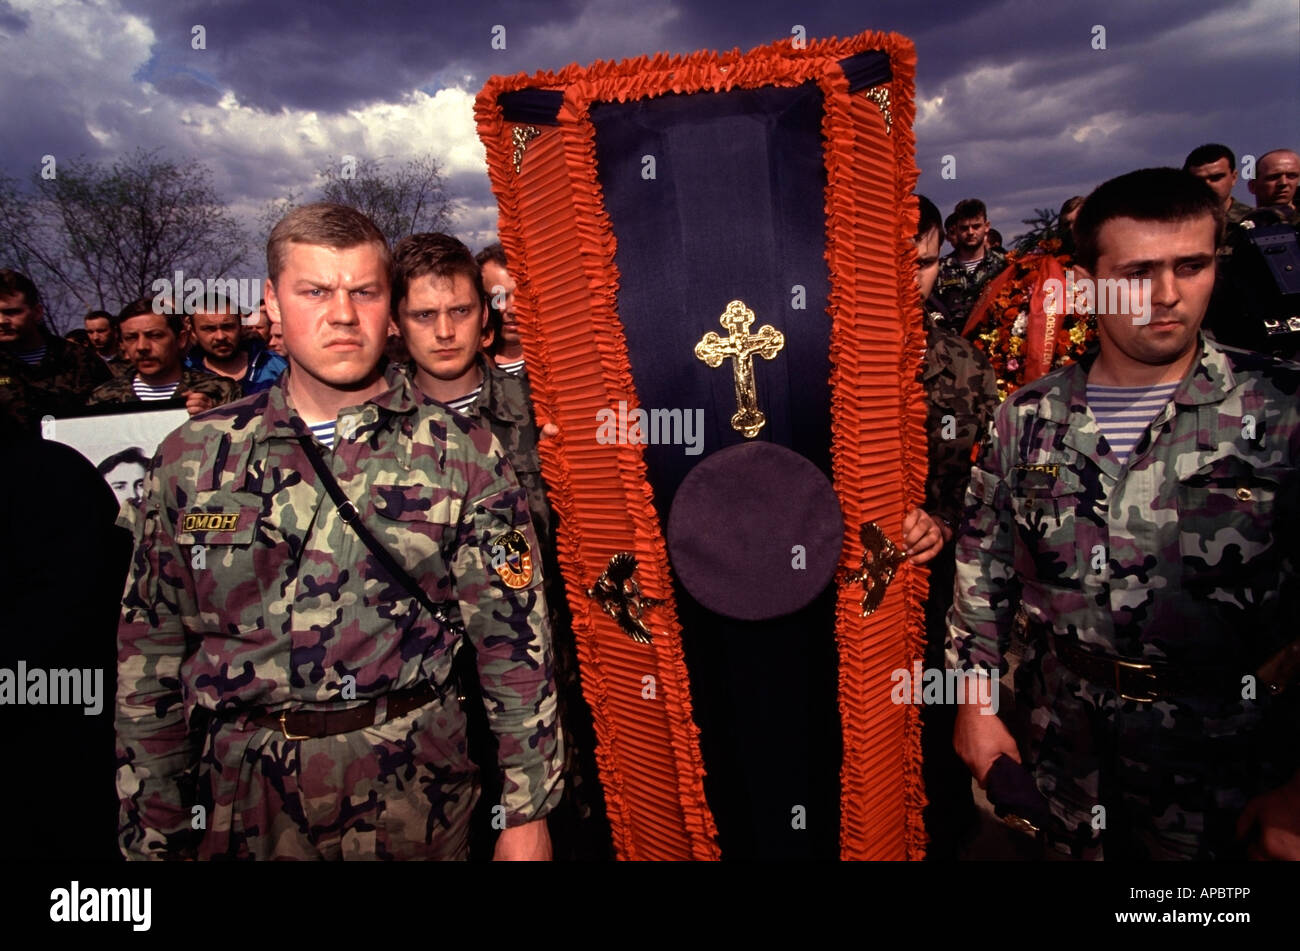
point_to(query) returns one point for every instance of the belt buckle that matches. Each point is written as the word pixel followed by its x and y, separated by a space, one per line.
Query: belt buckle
pixel 1119 687
pixel 285 729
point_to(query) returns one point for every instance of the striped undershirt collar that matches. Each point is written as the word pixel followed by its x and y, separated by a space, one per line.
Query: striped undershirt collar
pixel 1125 412
pixel 147 391
pixel 324 432
pixel 462 403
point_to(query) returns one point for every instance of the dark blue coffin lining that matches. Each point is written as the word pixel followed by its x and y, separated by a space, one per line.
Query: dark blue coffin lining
pixel 736 210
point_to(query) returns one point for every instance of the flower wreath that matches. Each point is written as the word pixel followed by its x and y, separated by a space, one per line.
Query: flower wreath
pixel 1020 329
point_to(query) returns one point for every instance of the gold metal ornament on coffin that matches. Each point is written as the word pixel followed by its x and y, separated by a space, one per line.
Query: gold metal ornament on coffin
pixel 521 136
pixel 741 346
pixel 880 96
pixel 619 595
pixel 880 559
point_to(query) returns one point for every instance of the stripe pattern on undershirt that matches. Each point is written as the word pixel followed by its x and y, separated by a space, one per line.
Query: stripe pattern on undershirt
pixel 463 403
pixel 147 391
pixel 1124 412
pixel 324 432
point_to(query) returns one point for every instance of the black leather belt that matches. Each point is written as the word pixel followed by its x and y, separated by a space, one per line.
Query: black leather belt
pixel 1142 681
pixel 313 724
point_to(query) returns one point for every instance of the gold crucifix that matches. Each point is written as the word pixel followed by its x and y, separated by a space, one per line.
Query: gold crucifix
pixel 741 346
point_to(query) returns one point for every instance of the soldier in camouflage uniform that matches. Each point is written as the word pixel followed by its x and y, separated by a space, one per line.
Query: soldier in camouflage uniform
pixel 961 394
pixel 155 343
pixel 271 670
pixel 959 286
pixel 1216 165
pixel 436 273
pixel 1148 561
pixel 59 382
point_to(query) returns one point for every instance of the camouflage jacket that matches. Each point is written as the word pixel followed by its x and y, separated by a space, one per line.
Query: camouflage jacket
pixel 959 289
pixel 1172 556
pixel 248 592
pixel 121 366
pixel 504 405
pixel 57 386
pixel 961 393
pixel 1237 211
pixel 122 389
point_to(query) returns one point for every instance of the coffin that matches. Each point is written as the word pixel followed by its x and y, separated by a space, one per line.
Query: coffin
pixel 638 200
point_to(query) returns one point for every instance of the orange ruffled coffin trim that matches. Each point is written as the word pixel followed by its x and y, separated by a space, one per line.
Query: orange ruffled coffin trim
pixel 561 247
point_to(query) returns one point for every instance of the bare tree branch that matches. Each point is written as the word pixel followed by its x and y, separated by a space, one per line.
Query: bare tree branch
pixel 98 235
pixel 406 199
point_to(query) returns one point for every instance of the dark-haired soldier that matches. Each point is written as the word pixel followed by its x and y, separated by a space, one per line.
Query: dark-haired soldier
pixel 1215 165
pixel 961 395
pixel 440 301
pixel 40 374
pixel 440 304
pixel 155 344
pixel 963 274
pixel 1127 503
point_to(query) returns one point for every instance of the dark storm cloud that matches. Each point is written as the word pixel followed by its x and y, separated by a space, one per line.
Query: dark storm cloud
pixel 52 123
pixel 1171 77
pixel 12 22
pixel 338 54
pixel 1011 89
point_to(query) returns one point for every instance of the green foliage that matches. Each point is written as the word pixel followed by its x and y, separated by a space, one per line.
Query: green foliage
pixel 1045 224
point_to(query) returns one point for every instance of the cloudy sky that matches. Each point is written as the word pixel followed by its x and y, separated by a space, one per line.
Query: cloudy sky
pixel 1012 89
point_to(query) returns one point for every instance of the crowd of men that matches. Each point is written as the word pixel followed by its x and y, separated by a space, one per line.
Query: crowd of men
pixel 347 556
pixel 153 350
pixel 440 688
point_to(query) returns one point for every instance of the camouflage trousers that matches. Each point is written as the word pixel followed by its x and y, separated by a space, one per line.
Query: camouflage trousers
pixel 402 789
pixel 1161 780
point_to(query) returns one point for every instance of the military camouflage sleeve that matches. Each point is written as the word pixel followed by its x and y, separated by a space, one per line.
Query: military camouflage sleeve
pixel 987 590
pixel 498 578
pixel 154 751
pixel 220 389
pixel 962 399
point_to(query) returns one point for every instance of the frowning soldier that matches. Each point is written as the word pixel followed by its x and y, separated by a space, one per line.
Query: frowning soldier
pixel 305 559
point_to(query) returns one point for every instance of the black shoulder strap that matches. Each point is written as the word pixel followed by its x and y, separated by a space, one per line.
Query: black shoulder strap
pixel 348 512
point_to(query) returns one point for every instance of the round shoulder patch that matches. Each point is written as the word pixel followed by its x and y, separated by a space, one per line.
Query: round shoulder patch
pixel 512 559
